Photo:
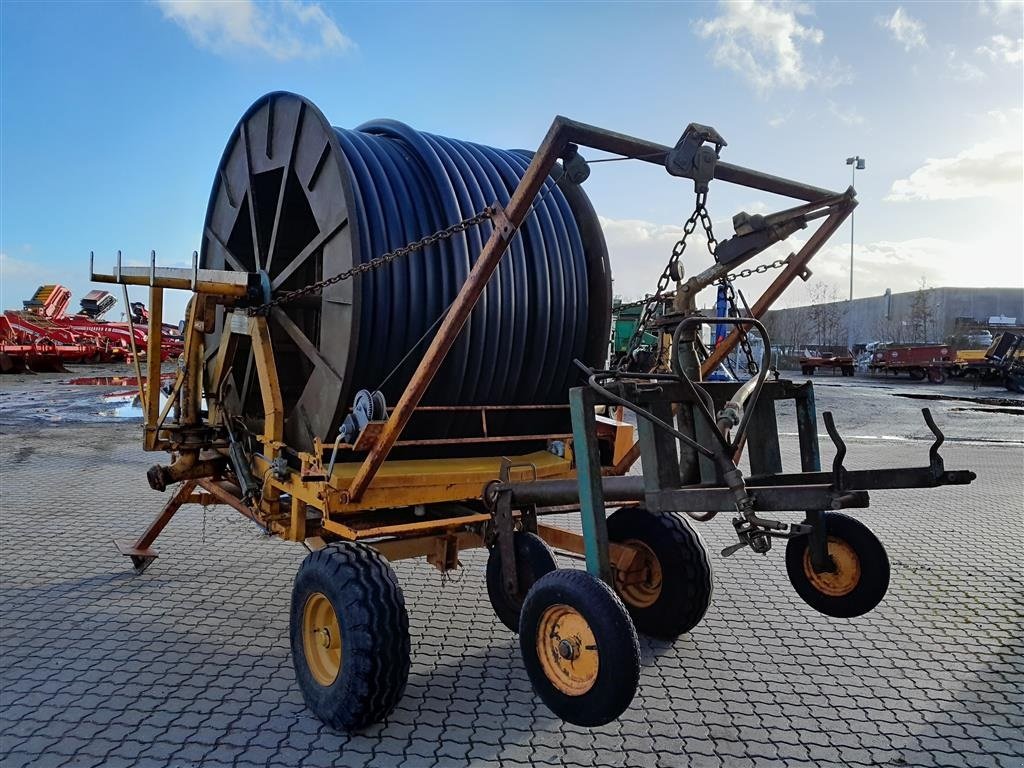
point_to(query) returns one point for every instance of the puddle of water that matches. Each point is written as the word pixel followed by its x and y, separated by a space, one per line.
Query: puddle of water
pixel 114 381
pixel 1011 411
pixel 1010 401
pixel 124 405
pixel 826 440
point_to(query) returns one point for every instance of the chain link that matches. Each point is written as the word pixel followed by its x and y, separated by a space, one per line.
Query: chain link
pixel 376 263
pixel 760 269
pixel 730 297
pixel 671 272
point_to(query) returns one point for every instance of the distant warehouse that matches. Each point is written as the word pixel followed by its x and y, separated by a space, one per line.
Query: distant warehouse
pixel 926 315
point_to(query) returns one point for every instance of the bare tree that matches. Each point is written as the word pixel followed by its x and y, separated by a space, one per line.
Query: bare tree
pixel 787 328
pixel 891 330
pixel 826 315
pixel 922 312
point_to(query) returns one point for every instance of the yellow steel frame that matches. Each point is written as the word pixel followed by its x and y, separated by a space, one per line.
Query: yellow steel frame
pixel 398 484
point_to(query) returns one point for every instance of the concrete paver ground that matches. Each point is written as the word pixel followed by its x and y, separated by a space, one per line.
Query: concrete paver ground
pixel 188 664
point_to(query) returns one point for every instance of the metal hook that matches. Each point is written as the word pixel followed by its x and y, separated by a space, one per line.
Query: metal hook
pixel 934 459
pixel 838 470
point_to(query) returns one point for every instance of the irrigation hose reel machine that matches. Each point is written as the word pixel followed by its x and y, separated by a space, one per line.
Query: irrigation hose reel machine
pixel 395 348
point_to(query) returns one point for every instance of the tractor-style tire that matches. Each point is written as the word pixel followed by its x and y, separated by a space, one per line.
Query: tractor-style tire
pixel 918 374
pixel 936 376
pixel 678 579
pixel 579 647
pixel 534 559
pixel 861 578
pixel 349 635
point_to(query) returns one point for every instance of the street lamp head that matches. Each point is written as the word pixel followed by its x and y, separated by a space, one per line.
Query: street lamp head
pixel 860 163
pixel 851 160
pixel 857 161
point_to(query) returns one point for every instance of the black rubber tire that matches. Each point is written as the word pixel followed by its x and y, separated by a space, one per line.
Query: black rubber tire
pixel 807 370
pixel 848 370
pixel 874 564
pixel 364 592
pixel 534 559
pixel 687 578
pixel 936 376
pixel 918 374
pixel 618 671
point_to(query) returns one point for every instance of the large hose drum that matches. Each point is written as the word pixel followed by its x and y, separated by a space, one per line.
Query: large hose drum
pixel 300 201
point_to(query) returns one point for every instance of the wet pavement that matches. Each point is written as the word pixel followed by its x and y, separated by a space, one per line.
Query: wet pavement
pixel 989 413
pixel 85 394
pixel 189 665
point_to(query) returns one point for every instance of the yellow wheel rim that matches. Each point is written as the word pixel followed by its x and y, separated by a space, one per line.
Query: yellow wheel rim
pixel 321 638
pixel 567 650
pixel 640 584
pixel 846 575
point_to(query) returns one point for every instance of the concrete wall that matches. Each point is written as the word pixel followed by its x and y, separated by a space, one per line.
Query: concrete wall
pixel 882 318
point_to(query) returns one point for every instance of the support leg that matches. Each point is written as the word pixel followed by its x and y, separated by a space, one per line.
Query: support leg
pixel 588 474
pixel 139 551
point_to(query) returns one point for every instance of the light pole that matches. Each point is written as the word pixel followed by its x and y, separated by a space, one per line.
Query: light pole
pixel 856 163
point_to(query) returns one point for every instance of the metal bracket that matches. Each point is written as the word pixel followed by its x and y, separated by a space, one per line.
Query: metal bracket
pixel 505 532
pixel 742 247
pixel 574 167
pixel 935 463
pixel 501 223
pixel 839 481
pixel 692 158
pixel 821 560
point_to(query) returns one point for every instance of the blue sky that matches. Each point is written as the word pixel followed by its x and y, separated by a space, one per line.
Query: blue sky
pixel 114 116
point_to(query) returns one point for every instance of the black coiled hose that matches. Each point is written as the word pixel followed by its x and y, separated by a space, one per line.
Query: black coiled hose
pixel 532 320
pixel 297 200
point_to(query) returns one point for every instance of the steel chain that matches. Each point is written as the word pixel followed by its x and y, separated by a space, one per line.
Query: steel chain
pixel 649 302
pixel 760 269
pixel 730 296
pixel 376 263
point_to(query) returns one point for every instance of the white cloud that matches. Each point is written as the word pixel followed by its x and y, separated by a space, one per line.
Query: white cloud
pixel 849 115
pixel 983 170
pixel 766 44
pixel 17 268
pixel 641 249
pixel 1001 8
pixel 1004 116
pixel 778 120
pixel 963 71
pixel 905 29
pixel 1002 48
pixel 282 29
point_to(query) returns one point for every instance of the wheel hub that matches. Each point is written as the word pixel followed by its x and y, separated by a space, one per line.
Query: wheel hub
pixel 567 650
pixel 640 584
pixel 321 638
pixel 845 574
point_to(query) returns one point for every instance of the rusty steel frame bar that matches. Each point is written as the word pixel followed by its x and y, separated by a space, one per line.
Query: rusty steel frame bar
pixel 560 135
pixel 792 271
